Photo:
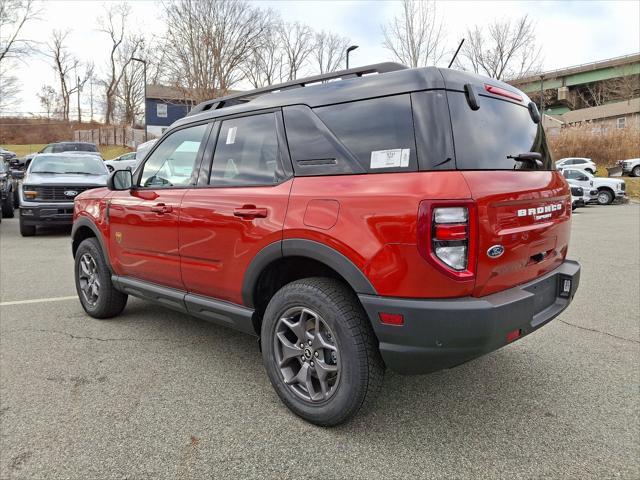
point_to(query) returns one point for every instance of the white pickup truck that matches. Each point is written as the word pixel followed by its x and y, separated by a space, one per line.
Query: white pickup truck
pixel 609 189
pixel 630 167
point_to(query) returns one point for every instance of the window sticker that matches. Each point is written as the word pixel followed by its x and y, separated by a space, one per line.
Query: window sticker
pixel 231 135
pixel 397 157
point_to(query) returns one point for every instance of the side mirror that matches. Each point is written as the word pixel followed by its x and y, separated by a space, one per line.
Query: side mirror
pixel 17 174
pixel 120 180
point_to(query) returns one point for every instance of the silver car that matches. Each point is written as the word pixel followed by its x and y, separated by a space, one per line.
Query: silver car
pixel 50 185
pixel 126 161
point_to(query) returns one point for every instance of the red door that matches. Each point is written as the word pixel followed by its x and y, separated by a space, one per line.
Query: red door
pixel 144 235
pixel 242 209
pixel 143 222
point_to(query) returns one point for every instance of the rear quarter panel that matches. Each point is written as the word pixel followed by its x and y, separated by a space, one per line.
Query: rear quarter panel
pixel 376 226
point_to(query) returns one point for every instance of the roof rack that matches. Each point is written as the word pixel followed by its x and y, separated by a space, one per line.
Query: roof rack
pixel 244 97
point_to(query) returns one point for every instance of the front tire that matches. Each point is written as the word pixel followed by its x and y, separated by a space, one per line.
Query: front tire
pixel 605 197
pixel 320 351
pixel 27 230
pixel 96 292
pixel 8 206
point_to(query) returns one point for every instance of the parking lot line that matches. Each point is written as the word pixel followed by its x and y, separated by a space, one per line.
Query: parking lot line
pixel 37 300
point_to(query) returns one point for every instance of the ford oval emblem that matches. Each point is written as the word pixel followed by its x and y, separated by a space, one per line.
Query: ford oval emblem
pixel 495 251
pixel 70 193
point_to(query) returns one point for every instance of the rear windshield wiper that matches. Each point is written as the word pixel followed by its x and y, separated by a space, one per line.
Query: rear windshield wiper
pixel 534 158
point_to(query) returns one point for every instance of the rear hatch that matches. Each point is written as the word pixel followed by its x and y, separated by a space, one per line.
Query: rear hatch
pixel 523 204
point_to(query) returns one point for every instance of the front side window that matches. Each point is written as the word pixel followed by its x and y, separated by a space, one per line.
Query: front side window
pixel 173 163
pixel 247 152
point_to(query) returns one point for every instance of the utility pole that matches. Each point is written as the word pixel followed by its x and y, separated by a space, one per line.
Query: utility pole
pixel 144 65
pixel 91 97
pixel 78 90
pixel 542 97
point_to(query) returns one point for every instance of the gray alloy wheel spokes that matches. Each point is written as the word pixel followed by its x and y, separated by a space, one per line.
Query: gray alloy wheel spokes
pixel 88 278
pixel 307 355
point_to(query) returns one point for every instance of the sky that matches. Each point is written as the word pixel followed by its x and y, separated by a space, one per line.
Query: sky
pixel 570 32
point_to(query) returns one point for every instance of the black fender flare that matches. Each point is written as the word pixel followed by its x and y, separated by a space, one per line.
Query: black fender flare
pixel 82 222
pixel 294 247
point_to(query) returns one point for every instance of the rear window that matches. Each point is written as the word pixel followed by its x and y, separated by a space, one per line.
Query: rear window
pixel 486 137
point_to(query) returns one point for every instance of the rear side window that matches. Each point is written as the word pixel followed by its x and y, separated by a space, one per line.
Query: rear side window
pixel 378 132
pixel 484 138
pixel 247 152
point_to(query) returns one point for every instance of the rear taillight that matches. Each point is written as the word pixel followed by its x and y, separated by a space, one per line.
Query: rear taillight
pixel 447 236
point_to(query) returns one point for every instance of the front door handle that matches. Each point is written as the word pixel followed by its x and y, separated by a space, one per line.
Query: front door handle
pixel 249 212
pixel 161 208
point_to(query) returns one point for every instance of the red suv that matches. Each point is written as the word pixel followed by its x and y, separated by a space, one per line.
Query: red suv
pixel 399 218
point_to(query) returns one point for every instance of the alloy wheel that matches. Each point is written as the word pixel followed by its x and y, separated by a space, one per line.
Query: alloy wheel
pixel 307 355
pixel 88 278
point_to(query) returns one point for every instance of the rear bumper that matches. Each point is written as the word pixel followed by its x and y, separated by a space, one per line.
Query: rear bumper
pixel 54 214
pixel 440 334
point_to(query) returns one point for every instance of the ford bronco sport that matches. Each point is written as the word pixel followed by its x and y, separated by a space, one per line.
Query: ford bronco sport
pixel 399 218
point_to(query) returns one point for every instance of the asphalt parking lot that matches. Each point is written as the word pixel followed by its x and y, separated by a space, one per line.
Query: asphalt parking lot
pixel 156 394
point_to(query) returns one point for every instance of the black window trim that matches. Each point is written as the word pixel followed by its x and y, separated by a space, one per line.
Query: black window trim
pixel 197 165
pixel 284 158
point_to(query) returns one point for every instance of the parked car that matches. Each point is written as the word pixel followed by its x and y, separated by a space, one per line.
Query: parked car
pixel 609 189
pixel 630 167
pixel 58 147
pixel 50 185
pixel 8 189
pixel 577 197
pixel 6 155
pixel 144 148
pixel 577 164
pixel 124 161
pixel 338 223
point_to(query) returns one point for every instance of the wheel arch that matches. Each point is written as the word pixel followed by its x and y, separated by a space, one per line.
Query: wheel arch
pixel 292 259
pixel 84 228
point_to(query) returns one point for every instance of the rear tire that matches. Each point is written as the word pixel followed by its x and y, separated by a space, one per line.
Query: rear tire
pixel 27 230
pixel 8 206
pixel 590 170
pixel 339 350
pixel 96 292
pixel 605 197
pixel 636 171
pixel 110 168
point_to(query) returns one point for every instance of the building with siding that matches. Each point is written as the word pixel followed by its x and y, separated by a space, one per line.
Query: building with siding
pixel 164 105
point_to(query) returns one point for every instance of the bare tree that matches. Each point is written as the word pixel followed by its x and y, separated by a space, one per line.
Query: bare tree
pixel 209 41
pixel 506 50
pixel 9 90
pixel 415 38
pixel 48 99
pixel 266 64
pixel 64 64
pixel 123 47
pixel 297 44
pixel 14 14
pixel 329 51
pixel 131 94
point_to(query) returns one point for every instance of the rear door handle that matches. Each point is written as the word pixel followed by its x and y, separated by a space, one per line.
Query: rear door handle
pixel 250 212
pixel 162 208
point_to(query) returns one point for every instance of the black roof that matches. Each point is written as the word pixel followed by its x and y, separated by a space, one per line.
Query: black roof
pixel 354 84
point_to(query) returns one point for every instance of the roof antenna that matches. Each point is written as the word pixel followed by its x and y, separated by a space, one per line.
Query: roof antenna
pixel 456 54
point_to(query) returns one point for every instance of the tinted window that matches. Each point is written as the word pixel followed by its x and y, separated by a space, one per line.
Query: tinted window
pixel 76 164
pixel 314 149
pixel 247 152
pixel 484 138
pixel 174 161
pixel 379 132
